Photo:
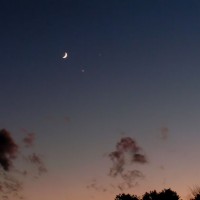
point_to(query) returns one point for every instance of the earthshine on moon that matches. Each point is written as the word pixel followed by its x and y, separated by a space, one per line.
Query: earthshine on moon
pixel 65 55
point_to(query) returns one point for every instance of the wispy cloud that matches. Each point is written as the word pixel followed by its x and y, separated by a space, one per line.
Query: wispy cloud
pixel 126 152
pixel 37 161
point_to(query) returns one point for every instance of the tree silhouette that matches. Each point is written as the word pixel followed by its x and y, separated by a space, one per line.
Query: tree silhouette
pixel 152 195
pixel 168 194
pixel 126 197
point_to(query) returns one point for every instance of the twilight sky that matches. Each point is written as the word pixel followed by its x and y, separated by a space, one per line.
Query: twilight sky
pixel 141 80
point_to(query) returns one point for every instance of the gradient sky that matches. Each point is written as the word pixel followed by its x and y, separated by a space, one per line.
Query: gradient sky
pixel 141 76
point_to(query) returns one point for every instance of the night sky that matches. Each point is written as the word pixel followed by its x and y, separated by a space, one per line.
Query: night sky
pixel 132 71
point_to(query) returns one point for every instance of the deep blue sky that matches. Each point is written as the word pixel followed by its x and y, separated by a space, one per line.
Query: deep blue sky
pixel 141 62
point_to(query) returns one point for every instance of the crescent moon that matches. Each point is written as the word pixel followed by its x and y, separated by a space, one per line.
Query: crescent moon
pixel 65 55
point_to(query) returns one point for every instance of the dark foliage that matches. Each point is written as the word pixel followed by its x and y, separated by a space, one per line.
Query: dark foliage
pixel 152 195
pixel 126 197
pixel 166 194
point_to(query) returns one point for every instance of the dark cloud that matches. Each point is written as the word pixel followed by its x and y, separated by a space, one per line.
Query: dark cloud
pixel 127 144
pixel 125 148
pixel 139 158
pixel 8 149
pixel 10 173
pixel 127 152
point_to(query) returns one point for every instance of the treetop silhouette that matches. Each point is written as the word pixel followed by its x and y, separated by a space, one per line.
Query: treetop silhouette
pixel 166 194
